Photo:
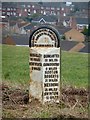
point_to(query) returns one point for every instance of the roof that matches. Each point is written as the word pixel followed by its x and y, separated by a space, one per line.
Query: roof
pixel 53 4
pixel 36 4
pixel 19 39
pixel 67 45
pixel 12 23
pixel 82 20
pixel 9 4
pixel 30 26
pixel 74 31
pixel 63 30
pixel 86 49
pixel 22 24
pixel 81 5
pixel 47 18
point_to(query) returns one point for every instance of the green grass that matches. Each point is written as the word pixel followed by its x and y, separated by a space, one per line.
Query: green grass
pixel 74 69
pixel 15 66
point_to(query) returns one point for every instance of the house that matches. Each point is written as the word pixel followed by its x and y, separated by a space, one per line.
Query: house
pixel 76 23
pixel 8 40
pixel 45 19
pixel 18 27
pixel 74 35
pixel 4 21
pixel 9 9
pixel 30 27
pixel 81 23
pixel 62 30
pixel 28 8
pixel 19 40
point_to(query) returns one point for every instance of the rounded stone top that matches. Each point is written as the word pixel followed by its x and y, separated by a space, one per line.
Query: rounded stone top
pixel 44 36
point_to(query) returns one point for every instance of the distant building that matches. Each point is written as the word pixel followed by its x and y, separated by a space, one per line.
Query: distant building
pixel 74 35
pixel 76 23
pixel 82 23
pixel 45 19
pixel 28 8
pixel 19 40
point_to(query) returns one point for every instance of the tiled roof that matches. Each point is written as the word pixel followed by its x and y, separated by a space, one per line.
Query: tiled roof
pixel 82 20
pixel 53 4
pixel 63 30
pixel 21 39
pixel 47 18
pixel 9 4
pixel 30 26
pixel 81 5
pixel 22 24
pixel 86 49
pixel 12 23
pixel 18 39
pixel 67 45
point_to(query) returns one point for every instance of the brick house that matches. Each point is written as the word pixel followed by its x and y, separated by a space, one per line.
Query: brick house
pixel 74 35
pixel 28 8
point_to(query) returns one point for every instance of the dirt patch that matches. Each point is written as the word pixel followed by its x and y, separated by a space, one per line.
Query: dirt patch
pixel 73 102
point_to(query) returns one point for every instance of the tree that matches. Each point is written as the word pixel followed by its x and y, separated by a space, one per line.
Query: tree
pixel 86 32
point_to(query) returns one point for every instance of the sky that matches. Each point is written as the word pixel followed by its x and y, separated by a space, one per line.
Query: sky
pixel 44 0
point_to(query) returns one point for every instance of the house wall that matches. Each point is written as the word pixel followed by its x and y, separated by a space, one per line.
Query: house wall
pixel 74 35
pixel 81 26
pixel 9 41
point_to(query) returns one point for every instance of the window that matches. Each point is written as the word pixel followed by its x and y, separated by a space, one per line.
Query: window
pixel 41 11
pixel 8 8
pixel 58 8
pixel 14 13
pixel 33 6
pixel 4 8
pixel 28 10
pixel 25 10
pixel 52 8
pixel 34 11
pixel 47 8
pixel 62 9
pixel 3 13
pixel 42 8
pixel 19 14
pixel 8 13
pixel 14 8
pixel 28 6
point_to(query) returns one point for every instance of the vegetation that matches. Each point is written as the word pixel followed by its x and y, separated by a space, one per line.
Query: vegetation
pixel 15 66
pixel 63 37
pixel 86 32
pixel 15 70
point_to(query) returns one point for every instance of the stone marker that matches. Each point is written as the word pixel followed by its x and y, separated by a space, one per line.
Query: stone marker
pixel 45 64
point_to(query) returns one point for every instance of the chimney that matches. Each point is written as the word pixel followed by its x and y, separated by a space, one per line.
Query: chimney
pixel 73 23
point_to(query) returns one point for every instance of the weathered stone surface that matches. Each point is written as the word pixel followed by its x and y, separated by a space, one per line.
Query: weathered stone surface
pixel 45 73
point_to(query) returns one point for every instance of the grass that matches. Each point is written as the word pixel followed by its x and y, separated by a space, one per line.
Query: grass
pixel 15 66
pixel 74 69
